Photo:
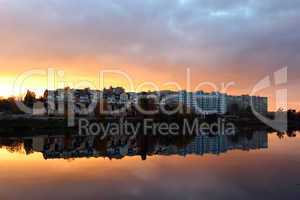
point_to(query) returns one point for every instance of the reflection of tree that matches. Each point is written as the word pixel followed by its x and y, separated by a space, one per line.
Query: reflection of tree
pixel 12 145
pixel 118 146
pixel 180 141
pixel 15 147
pixel 144 146
pixel 291 134
pixel 28 146
pixel 100 144
pixel 234 138
pixel 249 135
pixel 280 135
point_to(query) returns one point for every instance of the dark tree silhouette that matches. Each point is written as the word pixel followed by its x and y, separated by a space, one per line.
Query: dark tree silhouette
pixel 30 98
pixel 234 109
pixel 280 135
pixel 9 105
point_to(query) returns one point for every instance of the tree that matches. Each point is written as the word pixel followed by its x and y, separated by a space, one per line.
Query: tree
pixel 13 105
pixel 101 108
pixel 30 98
pixel 147 104
pixel 67 88
pixel 292 115
pixel 46 94
pixel 9 105
pixel 234 108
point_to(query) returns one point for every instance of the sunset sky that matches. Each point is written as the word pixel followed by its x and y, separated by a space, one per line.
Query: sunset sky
pixel 152 40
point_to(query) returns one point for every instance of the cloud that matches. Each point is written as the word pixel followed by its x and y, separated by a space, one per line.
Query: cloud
pixel 247 37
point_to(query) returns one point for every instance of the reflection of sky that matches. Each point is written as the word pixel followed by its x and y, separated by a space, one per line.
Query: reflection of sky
pixel 262 174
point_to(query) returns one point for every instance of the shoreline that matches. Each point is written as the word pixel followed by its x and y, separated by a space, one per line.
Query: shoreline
pixel 21 125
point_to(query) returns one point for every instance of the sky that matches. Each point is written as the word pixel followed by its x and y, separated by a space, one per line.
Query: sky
pixel 219 41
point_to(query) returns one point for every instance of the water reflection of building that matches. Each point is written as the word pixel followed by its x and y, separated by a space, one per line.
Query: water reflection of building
pixel 118 147
pixel 204 144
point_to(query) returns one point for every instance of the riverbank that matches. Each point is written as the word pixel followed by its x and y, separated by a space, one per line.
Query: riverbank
pixel 25 124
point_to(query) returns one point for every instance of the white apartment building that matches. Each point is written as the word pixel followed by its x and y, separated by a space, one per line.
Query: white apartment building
pixel 200 102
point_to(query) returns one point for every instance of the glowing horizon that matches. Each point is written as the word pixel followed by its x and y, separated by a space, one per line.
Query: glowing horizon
pixel 151 41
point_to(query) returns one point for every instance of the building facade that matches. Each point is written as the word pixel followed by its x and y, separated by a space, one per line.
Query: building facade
pixel 198 102
pixel 246 102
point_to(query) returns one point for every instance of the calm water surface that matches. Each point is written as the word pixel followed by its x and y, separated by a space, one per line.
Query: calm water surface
pixel 262 166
